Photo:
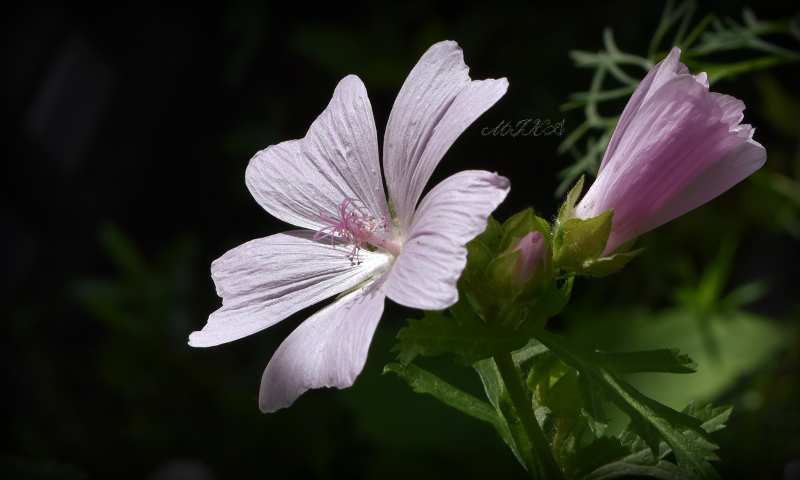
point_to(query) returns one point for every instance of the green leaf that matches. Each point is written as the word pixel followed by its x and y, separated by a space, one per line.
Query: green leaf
pixel 651 420
pixel 664 360
pixel 436 334
pixel 495 391
pixel 492 382
pixel 531 349
pixel 564 398
pixel 423 381
pixel 524 449
pixel 641 461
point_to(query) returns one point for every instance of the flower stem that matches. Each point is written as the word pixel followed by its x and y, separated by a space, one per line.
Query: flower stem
pixel 522 402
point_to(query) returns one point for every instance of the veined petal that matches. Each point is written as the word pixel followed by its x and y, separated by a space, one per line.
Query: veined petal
pixel 471 102
pixel 327 350
pixel 732 168
pixel 655 78
pixel 264 281
pixel 434 252
pixel 676 135
pixel 426 95
pixel 298 180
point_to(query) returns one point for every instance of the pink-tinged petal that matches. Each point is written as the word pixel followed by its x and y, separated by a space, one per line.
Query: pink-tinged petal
pixel 434 252
pixel 327 350
pixel 533 250
pixel 655 78
pixel 264 281
pixel 427 93
pixel 676 135
pixel 338 158
pixel 471 102
pixel 732 168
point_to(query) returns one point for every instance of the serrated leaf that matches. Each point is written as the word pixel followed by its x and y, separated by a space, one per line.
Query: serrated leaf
pixel 666 360
pixel 436 334
pixel 651 420
pixel 423 381
pixel 641 461
pixel 663 470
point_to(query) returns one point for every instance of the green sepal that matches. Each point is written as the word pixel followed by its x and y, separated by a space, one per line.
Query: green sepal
pixel 568 207
pixel 500 274
pixel 612 264
pixel 492 236
pixel 514 230
pixel 489 280
pixel 436 334
pixel 578 243
pixel 521 224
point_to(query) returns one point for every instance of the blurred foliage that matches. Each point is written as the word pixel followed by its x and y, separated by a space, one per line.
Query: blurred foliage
pixel 696 45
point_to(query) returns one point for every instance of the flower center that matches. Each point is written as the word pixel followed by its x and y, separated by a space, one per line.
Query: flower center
pixel 357 228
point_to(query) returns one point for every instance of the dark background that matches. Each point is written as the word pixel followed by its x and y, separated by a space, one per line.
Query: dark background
pixel 126 134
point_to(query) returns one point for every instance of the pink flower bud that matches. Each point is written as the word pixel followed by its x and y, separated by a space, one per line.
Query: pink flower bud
pixel 532 249
pixel 676 147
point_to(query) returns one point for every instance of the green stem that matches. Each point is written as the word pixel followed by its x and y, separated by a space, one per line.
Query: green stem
pixel 522 402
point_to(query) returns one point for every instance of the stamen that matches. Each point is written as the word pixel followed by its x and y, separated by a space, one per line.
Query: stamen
pixel 357 228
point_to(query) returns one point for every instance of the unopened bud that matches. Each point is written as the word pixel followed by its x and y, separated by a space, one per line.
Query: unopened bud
pixel 532 250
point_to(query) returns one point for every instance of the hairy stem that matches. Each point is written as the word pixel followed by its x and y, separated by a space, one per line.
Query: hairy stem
pixel 521 401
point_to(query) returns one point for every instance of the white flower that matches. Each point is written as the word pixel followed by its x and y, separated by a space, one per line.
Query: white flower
pixel 330 183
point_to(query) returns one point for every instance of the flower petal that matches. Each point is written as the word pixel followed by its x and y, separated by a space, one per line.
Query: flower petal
pixel 436 104
pixel 327 350
pixel 655 78
pixel 434 252
pixel 264 281
pixel 298 180
pixel 676 135
pixel 471 102
pixel 732 168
